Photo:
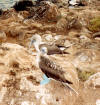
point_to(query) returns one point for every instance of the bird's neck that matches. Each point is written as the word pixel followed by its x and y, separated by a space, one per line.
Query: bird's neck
pixel 37 46
pixel 38 59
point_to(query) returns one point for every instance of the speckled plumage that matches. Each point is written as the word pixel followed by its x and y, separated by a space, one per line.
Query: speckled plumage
pixel 52 49
pixel 52 70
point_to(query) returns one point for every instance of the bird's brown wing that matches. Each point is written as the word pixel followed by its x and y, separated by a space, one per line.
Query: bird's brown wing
pixel 52 49
pixel 52 70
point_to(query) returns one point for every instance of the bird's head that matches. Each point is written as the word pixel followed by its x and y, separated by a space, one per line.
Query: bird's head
pixel 44 50
pixel 36 39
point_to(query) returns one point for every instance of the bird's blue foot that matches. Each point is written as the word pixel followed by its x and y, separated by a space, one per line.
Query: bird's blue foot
pixel 45 80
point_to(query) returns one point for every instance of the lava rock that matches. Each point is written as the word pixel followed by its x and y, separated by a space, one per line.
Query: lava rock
pixel 1 11
pixel 93 81
pixel 22 5
pixel 20 80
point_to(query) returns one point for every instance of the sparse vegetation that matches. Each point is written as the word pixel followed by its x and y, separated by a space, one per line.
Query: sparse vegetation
pixel 84 75
pixel 94 25
pixel 75 30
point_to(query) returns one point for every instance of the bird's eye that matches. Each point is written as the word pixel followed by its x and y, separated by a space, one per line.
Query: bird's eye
pixel 33 40
pixel 43 50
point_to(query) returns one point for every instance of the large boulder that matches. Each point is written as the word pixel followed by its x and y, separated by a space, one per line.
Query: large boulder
pixel 3 36
pixel 20 80
pixel 46 11
pixel 87 60
pixel 93 81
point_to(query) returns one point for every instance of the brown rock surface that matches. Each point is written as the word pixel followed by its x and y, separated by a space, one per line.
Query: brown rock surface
pixel 20 80
pixel 93 81
pixel 87 60
pixel 76 28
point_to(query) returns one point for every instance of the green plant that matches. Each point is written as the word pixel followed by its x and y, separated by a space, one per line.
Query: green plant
pixel 84 75
pixel 94 24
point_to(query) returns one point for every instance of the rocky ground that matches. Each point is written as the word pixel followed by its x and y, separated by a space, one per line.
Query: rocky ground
pixel 76 28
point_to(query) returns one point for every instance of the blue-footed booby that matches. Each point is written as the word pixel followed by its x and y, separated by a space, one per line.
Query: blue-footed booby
pixel 52 49
pixel 51 69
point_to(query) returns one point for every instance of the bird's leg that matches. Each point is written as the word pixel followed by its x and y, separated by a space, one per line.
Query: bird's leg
pixel 45 80
pixel 62 53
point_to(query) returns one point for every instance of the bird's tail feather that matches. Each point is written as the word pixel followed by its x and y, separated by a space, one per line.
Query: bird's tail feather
pixel 68 86
pixel 66 52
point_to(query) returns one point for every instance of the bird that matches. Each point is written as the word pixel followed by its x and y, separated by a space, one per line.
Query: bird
pixel 74 3
pixel 52 48
pixel 51 69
